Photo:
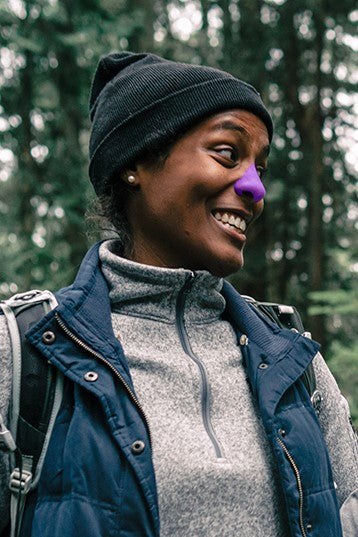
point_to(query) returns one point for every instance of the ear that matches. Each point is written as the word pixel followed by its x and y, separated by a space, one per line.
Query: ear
pixel 142 174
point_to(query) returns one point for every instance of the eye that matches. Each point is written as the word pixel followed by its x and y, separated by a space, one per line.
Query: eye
pixel 261 170
pixel 227 152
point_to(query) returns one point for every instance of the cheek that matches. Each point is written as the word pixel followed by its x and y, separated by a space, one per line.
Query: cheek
pixel 258 208
pixel 161 209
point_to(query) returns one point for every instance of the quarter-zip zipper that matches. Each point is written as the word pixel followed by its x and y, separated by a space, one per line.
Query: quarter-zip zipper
pixel 205 392
pixel 94 353
pixel 299 485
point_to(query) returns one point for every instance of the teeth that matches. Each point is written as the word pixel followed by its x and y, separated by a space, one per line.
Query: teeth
pixel 241 224
pixel 231 220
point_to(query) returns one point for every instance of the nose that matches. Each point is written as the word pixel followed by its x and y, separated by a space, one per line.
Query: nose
pixel 250 183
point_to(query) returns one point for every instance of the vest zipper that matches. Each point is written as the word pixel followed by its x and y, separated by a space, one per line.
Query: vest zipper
pixel 184 340
pixel 299 485
pixel 94 353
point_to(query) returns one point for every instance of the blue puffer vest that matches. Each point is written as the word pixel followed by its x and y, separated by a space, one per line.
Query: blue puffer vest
pixel 98 478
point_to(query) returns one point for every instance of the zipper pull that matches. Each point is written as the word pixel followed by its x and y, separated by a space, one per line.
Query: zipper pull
pixel 188 281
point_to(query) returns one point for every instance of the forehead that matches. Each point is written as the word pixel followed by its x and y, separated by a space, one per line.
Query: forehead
pixel 238 121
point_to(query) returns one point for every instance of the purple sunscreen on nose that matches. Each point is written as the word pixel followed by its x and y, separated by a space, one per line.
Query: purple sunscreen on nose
pixel 250 183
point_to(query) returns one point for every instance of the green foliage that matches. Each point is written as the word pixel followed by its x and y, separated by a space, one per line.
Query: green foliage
pixel 339 302
pixel 343 363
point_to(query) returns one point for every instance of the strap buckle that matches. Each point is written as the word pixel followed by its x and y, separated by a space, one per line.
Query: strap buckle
pixel 20 483
pixel 28 297
pixel 284 309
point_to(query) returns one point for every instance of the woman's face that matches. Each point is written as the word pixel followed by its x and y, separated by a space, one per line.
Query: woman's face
pixel 177 212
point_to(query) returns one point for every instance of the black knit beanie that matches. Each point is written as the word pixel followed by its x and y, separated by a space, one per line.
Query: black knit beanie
pixel 139 101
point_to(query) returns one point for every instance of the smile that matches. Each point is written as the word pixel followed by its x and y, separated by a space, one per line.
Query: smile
pixel 230 220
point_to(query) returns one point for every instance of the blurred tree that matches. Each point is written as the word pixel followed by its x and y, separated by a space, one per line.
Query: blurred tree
pixel 341 306
pixel 49 50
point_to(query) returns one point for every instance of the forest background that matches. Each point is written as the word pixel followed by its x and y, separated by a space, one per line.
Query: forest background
pixel 300 54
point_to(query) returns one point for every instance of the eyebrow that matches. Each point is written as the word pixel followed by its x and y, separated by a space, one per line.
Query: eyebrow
pixel 229 125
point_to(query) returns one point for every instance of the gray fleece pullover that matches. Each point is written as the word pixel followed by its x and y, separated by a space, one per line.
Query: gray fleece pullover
pixel 213 464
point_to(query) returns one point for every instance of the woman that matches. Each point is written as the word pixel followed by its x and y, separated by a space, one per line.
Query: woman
pixel 182 406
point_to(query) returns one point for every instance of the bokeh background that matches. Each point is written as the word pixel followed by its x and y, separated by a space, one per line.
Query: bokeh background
pixel 300 54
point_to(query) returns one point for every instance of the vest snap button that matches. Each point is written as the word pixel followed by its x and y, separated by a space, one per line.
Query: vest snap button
pixel 282 432
pixel 137 447
pixel 90 376
pixel 244 340
pixel 48 337
pixel 309 527
pixel 263 366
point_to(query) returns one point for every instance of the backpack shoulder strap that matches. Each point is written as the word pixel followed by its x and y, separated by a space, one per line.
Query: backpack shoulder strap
pixel 288 317
pixel 36 398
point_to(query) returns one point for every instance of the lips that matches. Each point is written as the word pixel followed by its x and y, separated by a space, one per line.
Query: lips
pixel 230 219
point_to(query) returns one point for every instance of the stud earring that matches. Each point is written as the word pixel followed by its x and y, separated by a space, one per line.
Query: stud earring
pixel 131 179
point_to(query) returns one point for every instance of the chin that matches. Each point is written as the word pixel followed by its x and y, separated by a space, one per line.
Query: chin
pixel 225 267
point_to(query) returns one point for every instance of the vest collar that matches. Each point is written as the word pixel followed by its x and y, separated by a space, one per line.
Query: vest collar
pixel 85 308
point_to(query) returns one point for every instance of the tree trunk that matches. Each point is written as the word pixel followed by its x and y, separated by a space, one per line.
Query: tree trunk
pixel 309 121
pixel 313 130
